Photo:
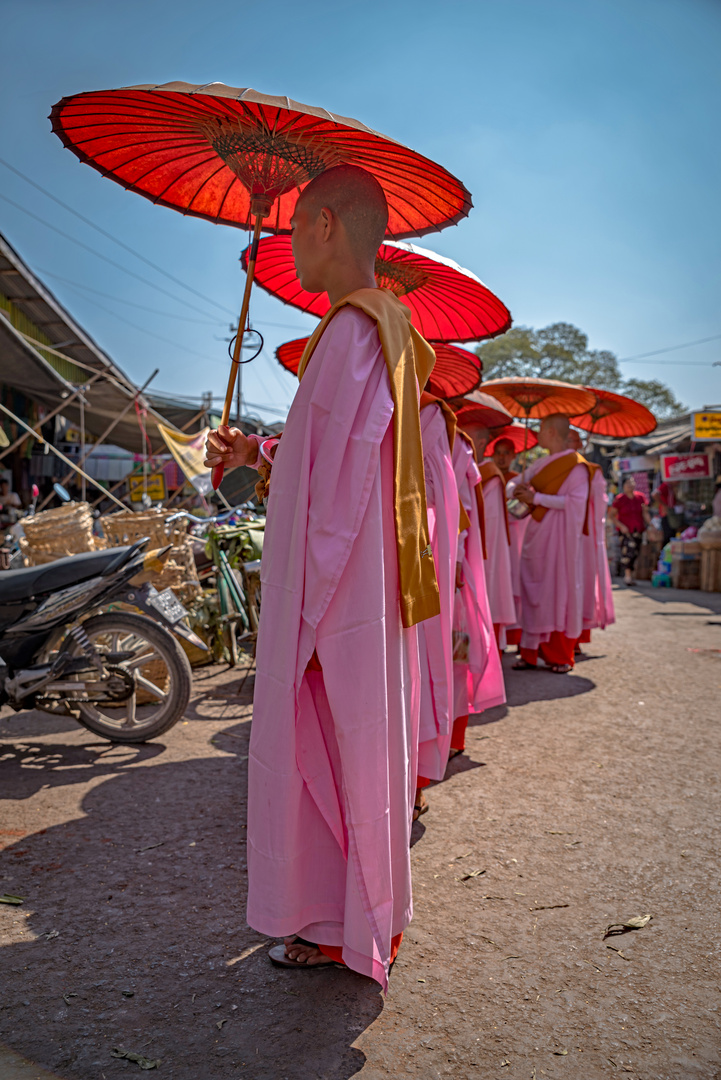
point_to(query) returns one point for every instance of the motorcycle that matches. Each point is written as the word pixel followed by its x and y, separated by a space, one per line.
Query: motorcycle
pixel 122 675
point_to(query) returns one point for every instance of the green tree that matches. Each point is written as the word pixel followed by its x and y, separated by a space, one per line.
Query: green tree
pixel 560 351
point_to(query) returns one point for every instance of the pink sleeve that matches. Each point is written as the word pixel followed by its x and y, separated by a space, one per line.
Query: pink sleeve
pixel 264 447
pixel 552 502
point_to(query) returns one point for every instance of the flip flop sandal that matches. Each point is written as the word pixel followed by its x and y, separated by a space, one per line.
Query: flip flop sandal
pixel 420 808
pixel 278 957
pixel 523 665
pixel 454 752
pixel 559 669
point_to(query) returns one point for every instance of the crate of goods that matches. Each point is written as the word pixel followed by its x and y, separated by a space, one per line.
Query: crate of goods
pixel 647 560
pixel 710 544
pixel 178 573
pixel 686 564
pixel 54 534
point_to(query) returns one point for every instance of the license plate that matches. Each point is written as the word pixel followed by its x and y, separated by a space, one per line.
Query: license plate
pixel 167 604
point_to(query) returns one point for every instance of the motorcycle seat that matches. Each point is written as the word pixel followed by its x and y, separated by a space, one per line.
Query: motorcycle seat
pixel 36 580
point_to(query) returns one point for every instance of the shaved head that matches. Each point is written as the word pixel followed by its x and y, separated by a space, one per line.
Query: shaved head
pixel 575 442
pixel 553 435
pixel 505 444
pixel 356 198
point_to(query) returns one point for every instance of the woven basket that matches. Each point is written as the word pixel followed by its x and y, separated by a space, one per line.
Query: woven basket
pixel 178 573
pixel 54 534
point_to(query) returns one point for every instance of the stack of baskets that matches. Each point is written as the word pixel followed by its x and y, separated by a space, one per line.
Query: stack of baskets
pixel 65 530
pixel 178 573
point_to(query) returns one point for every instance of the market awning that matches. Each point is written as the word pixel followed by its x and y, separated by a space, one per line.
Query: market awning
pixel 58 346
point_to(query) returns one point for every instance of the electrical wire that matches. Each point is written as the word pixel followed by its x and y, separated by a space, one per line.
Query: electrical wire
pixel 671 348
pixel 99 255
pixel 128 303
pixel 109 236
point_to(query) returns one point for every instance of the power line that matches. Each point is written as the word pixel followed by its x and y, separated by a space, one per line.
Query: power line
pixel 129 303
pixel 114 239
pixel 671 348
pixel 99 255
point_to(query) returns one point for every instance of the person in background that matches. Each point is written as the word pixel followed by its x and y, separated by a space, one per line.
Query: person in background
pixel 630 514
pixel 503 454
pixel 9 503
pixel 670 509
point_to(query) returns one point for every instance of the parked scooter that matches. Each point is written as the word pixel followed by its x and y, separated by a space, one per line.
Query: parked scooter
pixel 120 674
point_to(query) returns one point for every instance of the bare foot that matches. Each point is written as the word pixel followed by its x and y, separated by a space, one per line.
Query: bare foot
pixel 304 954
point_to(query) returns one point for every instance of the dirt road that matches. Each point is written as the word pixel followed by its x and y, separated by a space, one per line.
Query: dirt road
pixel 588 800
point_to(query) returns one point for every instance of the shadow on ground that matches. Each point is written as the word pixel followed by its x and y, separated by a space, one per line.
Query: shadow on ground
pixel 133 933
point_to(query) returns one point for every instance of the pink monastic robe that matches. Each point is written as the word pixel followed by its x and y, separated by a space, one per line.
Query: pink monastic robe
pixel 435 635
pixel 333 753
pixel 598 609
pixel 498 563
pixel 479 684
pixel 551 559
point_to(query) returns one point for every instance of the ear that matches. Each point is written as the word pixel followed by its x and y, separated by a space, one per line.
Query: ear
pixel 327 223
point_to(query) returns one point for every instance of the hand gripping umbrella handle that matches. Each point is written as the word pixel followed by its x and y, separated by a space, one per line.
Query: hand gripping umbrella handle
pixel 219 470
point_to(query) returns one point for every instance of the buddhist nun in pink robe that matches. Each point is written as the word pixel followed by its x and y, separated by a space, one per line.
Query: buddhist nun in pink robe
pixel 438 429
pixel 347 573
pixel 556 489
pixel 478 683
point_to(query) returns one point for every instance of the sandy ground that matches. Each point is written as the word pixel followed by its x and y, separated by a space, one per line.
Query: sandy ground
pixel 589 799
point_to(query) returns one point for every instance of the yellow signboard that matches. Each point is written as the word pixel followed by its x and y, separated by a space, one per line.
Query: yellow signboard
pixel 154 484
pixel 706 425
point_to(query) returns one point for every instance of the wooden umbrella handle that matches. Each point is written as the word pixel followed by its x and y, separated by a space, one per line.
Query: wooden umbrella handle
pixel 219 470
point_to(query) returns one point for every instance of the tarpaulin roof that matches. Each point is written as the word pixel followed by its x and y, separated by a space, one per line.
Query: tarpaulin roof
pixel 35 308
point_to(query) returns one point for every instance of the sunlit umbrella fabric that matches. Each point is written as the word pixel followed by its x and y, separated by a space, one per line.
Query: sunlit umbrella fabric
pixel 226 154
pixel 456 371
pixel 480 408
pixel 537 398
pixel 615 415
pixel 447 302
pixel 522 438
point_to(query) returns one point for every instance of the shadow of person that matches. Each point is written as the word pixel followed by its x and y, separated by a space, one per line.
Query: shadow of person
pixel 132 934
pixel 523 687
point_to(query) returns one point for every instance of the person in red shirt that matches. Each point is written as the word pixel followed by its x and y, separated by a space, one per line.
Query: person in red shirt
pixel 631 515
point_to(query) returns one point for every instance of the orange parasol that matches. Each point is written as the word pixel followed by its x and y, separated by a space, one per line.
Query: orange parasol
pixel 615 415
pixel 447 302
pixel 535 398
pixel 456 371
pixel 480 408
pixel 238 157
pixel 516 434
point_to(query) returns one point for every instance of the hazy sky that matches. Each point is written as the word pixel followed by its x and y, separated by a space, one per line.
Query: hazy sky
pixel 587 132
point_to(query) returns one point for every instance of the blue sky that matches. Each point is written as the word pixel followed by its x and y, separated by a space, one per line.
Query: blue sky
pixel 587 132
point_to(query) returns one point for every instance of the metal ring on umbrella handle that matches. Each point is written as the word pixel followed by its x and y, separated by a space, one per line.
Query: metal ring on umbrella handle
pixel 257 352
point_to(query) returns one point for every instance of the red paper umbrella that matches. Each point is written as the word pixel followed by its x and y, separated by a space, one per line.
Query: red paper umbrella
pixel 615 415
pixel 228 154
pixel 536 398
pixel 239 157
pixel 448 303
pixel 480 408
pixel 456 371
pixel 522 438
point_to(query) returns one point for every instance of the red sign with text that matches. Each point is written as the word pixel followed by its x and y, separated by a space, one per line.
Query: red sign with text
pixel 685 466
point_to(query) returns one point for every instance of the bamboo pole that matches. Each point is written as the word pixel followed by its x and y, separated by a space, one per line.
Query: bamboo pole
pixel 58 453
pixel 51 415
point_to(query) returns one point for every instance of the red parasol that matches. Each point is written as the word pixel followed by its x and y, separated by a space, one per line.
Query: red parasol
pixel 448 303
pixel 536 398
pixel 239 157
pixel 615 415
pixel 456 371
pixel 480 408
pixel 515 434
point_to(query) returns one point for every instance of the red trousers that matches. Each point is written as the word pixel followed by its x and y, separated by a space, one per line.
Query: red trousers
pixel 335 952
pixel 458 738
pixel 585 637
pixel 513 637
pixel 557 650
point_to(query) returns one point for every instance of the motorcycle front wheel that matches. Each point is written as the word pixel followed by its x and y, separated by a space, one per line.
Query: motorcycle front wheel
pixel 161 672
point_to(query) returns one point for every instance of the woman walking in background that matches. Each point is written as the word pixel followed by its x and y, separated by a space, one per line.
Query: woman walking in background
pixel 630 514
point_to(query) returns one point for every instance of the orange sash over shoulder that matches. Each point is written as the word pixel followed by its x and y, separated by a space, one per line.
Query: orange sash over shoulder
pixel 409 361
pixel 551 477
pixel 488 470
pixel 450 418
pixel 479 495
